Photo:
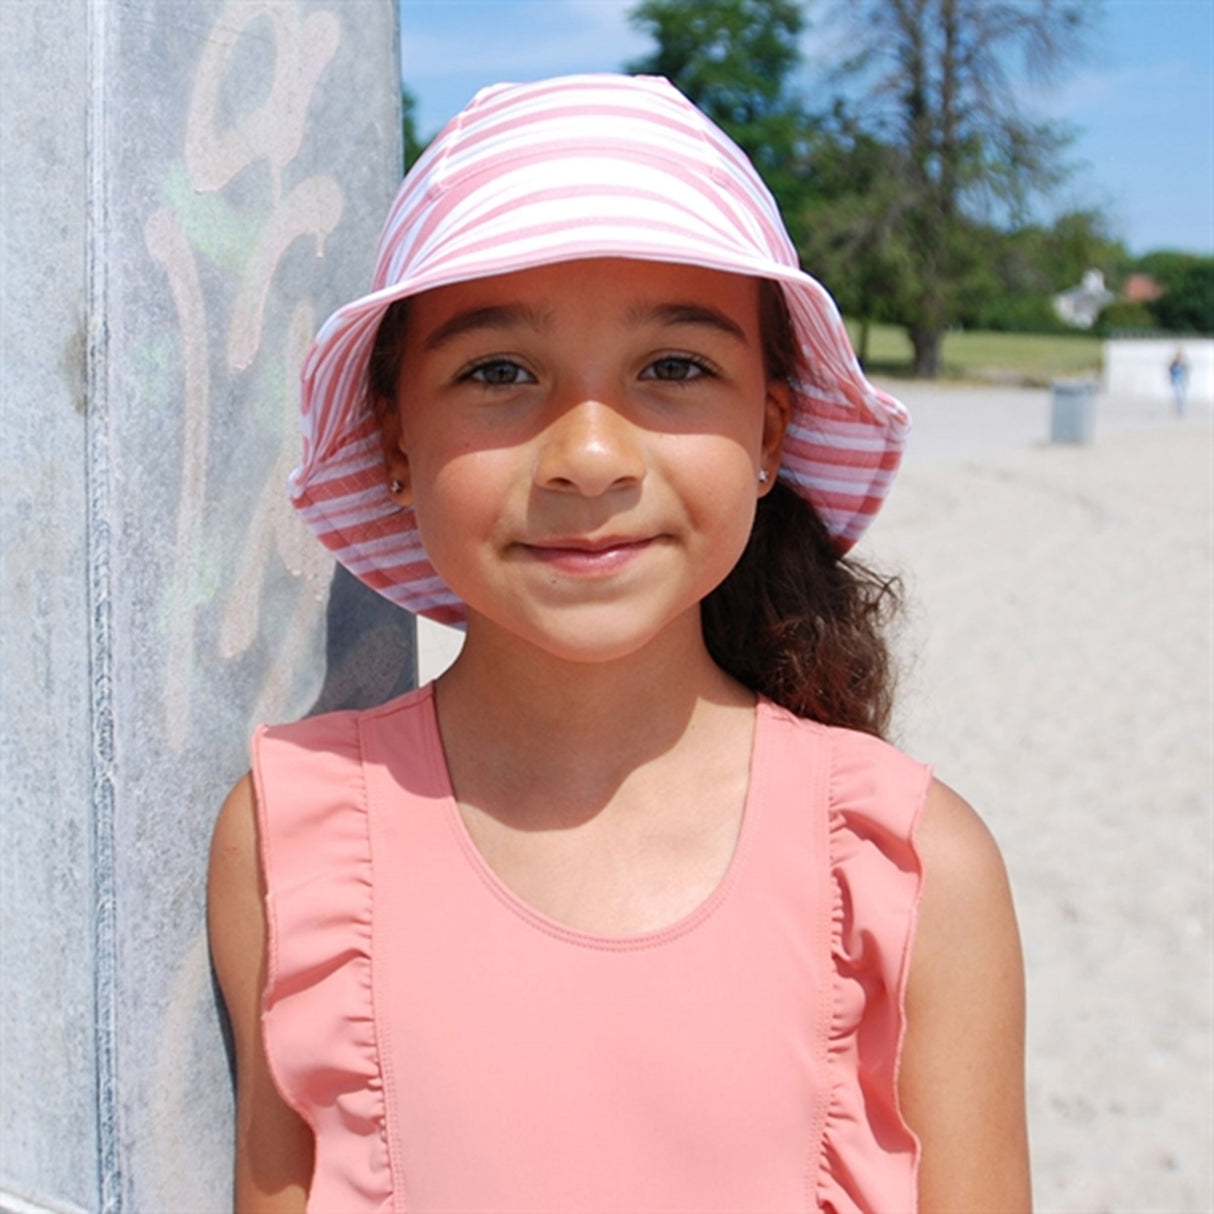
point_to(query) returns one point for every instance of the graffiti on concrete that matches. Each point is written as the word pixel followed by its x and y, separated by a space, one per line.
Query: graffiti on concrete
pixel 218 149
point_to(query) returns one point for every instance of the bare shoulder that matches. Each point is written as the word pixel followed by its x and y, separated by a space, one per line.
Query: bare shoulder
pixel 961 859
pixel 967 946
pixel 274 1146
pixel 235 918
pixel 962 1078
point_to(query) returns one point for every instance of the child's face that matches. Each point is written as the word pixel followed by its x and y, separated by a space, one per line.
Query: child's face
pixel 581 443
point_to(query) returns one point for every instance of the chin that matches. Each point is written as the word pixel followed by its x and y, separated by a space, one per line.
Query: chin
pixel 600 638
pixel 593 648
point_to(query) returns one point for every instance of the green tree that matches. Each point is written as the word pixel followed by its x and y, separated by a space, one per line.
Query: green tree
pixel 1122 315
pixel 1164 265
pixel 735 59
pixel 851 224
pixel 1187 306
pixel 1079 241
pixel 942 81
pixel 414 145
pixel 1024 268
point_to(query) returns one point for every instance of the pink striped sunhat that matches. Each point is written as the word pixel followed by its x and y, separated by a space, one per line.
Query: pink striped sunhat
pixel 560 170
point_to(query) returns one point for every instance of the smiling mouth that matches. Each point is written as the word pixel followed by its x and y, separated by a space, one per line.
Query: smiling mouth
pixel 588 556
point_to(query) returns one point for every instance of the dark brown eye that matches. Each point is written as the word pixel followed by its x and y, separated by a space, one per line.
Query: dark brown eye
pixel 500 373
pixel 673 368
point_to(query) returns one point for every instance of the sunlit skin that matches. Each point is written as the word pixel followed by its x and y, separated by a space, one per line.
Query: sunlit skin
pixel 582 446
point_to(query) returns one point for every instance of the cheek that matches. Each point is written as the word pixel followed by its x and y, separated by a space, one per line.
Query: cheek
pixel 458 496
pixel 718 485
pixel 737 522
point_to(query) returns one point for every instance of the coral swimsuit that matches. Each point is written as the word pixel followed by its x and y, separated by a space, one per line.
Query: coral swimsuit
pixel 455 1050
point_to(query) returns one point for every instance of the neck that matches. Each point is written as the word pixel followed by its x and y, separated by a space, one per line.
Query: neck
pixel 519 720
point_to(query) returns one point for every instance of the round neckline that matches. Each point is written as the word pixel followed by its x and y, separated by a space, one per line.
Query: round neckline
pixel 563 931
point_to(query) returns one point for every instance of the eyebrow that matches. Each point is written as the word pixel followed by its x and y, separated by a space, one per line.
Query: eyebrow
pixel 506 316
pixel 494 316
pixel 686 314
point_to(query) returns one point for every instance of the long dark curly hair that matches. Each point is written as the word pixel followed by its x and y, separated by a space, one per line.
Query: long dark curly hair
pixel 794 620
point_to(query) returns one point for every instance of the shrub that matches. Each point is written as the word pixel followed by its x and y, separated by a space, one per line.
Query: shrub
pixel 1020 313
pixel 1124 314
pixel 1188 304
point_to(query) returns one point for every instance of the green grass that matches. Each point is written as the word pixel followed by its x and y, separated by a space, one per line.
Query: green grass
pixel 1014 358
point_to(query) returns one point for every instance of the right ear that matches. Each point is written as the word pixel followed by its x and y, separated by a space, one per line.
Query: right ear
pixel 396 461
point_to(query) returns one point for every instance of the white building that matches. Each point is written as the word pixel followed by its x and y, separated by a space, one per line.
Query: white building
pixel 1081 305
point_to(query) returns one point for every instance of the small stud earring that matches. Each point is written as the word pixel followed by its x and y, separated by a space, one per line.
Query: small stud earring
pixel 762 476
pixel 395 486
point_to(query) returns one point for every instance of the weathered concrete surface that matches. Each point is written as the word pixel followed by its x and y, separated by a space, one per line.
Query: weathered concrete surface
pixel 46 888
pixel 199 186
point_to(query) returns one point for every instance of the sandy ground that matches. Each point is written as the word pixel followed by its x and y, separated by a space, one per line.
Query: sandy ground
pixel 1058 652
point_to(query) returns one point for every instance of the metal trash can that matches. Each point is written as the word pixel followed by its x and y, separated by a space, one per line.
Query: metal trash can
pixel 1072 410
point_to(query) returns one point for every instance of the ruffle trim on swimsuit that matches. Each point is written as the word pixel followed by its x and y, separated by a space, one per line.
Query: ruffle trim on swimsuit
pixel 318 1005
pixel 319 1001
pixel 874 805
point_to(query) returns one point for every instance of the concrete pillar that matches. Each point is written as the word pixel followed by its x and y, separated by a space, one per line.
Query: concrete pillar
pixel 187 189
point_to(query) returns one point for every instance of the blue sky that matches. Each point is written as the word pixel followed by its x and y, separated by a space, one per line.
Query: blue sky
pixel 1142 101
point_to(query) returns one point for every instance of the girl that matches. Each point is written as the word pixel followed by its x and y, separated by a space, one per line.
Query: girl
pixel 624 912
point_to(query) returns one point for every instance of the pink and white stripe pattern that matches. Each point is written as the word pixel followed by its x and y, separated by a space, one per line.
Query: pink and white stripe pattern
pixel 576 167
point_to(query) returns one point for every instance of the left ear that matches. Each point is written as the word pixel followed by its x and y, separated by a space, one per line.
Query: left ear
pixel 777 410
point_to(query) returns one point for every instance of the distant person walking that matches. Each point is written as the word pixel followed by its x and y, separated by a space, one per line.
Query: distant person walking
pixel 1178 376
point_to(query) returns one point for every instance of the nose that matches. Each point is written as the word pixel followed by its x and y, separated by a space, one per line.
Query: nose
pixel 590 448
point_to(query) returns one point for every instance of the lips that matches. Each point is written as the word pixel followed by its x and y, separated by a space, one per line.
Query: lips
pixel 579 555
